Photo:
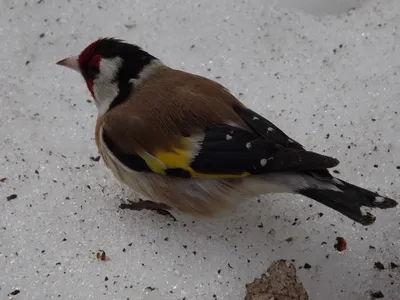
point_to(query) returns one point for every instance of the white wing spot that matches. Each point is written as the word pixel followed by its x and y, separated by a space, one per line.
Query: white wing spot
pixel 228 137
pixel 379 199
pixel 365 210
pixel 270 129
pixel 248 145
pixel 290 141
pixel 263 162
pixel 255 118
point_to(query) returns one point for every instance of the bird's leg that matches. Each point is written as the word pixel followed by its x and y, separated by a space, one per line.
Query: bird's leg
pixel 159 208
pixel 144 204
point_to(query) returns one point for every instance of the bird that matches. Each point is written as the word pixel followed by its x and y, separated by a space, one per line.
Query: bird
pixel 189 145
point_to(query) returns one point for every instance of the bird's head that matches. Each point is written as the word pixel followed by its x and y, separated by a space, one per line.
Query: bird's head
pixel 110 67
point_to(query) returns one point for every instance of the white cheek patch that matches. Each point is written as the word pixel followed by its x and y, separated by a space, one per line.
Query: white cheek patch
pixel 105 88
pixel 109 67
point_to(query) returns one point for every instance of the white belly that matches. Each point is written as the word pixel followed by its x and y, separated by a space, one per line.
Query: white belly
pixel 197 196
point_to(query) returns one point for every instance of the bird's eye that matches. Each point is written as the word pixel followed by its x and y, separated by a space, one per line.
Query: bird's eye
pixel 92 67
pixel 91 71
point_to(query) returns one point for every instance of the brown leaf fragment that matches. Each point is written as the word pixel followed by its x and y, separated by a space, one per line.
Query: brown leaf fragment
pixel 377 295
pixel 378 265
pixel 12 197
pixel 101 255
pixel 282 283
pixel 14 293
pixel 341 244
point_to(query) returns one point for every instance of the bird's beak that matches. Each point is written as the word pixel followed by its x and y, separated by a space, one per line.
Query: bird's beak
pixel 70 62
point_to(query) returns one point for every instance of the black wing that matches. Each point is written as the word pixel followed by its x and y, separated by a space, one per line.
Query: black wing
pixel 265 128
pixel 227 151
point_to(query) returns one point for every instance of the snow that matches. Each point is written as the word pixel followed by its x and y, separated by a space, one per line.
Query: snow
pixel 326 75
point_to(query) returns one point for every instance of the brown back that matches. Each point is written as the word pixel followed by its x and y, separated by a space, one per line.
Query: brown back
pixel 168 105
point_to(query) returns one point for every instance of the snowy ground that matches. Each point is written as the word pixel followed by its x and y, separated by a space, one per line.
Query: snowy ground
pixel 328 76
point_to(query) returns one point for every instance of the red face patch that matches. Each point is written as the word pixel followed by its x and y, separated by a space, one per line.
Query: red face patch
pixel 89 60
pixel 87 53
pixel 95 61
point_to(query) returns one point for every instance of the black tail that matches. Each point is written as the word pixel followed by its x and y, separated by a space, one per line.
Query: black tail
pixel 348 199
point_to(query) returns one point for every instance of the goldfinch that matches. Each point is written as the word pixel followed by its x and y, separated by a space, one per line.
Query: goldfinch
pixel 186 143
